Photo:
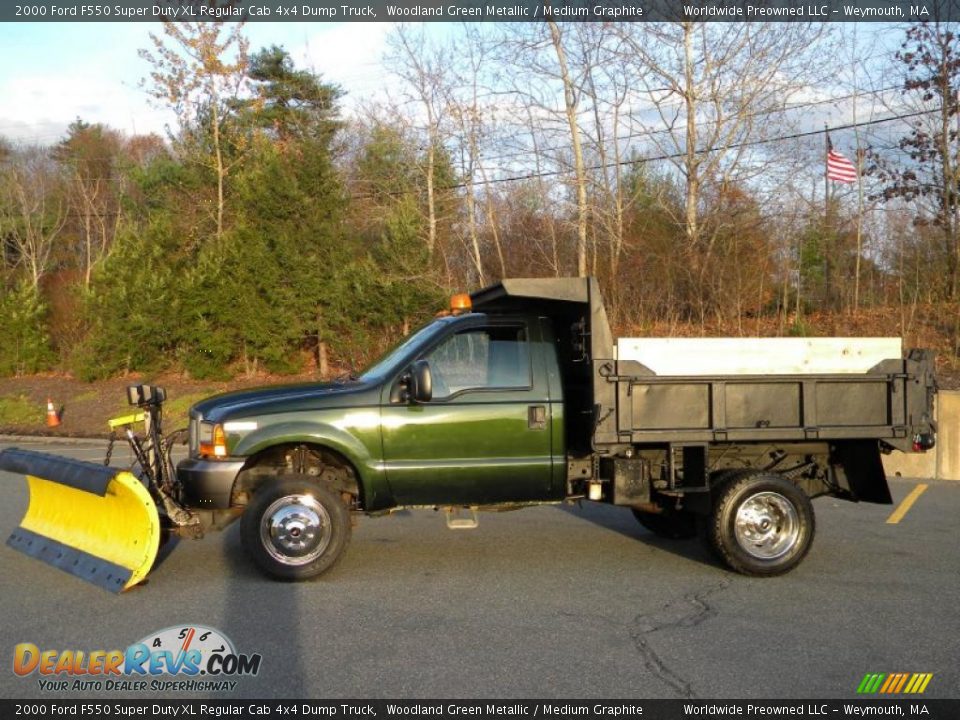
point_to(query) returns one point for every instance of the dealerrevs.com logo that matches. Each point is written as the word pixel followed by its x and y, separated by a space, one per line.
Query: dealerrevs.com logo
pixel 185 658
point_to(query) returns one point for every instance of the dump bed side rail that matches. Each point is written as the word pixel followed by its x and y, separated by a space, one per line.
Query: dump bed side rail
pixel 892 402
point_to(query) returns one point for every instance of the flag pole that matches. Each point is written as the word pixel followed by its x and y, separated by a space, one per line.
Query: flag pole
pixel 826 175
pixel 827 240
pixel 856 283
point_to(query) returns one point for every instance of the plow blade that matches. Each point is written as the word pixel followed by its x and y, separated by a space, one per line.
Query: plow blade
pixel 89 520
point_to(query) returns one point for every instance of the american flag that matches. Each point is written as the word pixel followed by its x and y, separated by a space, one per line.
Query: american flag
pixel 838 167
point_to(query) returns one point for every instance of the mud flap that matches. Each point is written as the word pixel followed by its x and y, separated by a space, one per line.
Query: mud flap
pixel 859 468
pixel 91 521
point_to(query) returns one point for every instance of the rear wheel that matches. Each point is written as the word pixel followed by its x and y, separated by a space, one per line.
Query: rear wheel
pixel 294 529
pixel 762 524
pixel 668 524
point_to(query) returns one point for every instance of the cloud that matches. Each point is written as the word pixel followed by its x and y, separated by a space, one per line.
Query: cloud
pixel 51 88
pixel 39 107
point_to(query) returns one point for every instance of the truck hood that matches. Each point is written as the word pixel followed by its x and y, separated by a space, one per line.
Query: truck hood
pixel 286 398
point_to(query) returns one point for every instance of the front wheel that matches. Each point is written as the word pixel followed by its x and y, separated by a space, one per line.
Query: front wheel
pixel 294 529
pixel 762 524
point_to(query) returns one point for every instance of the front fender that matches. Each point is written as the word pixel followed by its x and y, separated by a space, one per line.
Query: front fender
pixel 361 446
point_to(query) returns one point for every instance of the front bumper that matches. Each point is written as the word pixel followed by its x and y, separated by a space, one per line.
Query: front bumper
pixel 208 483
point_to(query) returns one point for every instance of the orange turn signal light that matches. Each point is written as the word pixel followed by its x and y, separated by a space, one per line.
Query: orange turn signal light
pixel 218 448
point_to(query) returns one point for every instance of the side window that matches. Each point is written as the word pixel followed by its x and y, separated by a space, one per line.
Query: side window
pixel 481 359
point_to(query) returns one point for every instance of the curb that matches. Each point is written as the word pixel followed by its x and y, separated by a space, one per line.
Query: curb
pixel 51 440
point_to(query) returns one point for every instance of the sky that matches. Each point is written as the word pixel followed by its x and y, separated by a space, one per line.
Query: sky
pixel 52 73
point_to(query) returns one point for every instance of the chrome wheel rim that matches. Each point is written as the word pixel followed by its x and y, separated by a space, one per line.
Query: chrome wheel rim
pixel 767 526
pixel 295 529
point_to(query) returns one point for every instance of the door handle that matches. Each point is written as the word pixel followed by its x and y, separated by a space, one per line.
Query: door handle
pixel 537 417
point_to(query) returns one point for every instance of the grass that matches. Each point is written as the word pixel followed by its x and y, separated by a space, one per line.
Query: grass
pixel 175 410
pixel 20 410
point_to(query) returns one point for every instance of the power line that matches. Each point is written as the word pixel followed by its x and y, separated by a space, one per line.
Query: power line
pixel 668 156
pixel 673 156
pixel 634 135
pixel 648 133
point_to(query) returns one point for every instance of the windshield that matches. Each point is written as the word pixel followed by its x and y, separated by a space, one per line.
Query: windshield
pixel 386 362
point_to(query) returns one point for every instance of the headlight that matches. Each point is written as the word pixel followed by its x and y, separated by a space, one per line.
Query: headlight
pixel 213 441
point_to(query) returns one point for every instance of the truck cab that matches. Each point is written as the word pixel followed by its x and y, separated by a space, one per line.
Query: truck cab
pixel 466 411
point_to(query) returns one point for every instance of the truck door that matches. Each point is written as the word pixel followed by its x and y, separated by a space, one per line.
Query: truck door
pixel 485 437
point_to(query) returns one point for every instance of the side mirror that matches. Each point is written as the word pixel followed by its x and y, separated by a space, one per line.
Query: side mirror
pixel 421 382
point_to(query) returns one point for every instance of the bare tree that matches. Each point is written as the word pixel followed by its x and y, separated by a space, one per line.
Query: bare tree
pixel 422 67
pixel 606 87
pixel 197 67
pixel 33 210
pixel 89 158
pixel 571 101
pixel 545 78
pixel 707 91
pixel 465 108
pixel 552 257
pixel 923 169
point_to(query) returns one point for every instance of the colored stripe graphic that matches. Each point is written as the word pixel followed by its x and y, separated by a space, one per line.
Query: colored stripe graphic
pixel 903 680
pixel 870 683
pixel 894 683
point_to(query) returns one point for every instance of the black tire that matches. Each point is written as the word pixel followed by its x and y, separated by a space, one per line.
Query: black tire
pixel 294 529
pixel 669 524
pixel 719 480
pixel 762 524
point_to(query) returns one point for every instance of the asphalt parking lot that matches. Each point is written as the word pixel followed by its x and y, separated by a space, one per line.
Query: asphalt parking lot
pixel 552 602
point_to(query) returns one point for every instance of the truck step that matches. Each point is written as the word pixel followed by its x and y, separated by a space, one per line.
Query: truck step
pixel 461 518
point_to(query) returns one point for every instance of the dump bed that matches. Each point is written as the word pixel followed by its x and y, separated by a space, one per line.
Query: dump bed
pixel 891 401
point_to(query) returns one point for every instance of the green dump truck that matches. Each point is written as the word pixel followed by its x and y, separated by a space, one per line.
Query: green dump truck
pixel 521 396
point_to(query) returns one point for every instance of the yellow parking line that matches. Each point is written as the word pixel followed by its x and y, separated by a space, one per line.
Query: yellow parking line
pixel 904 507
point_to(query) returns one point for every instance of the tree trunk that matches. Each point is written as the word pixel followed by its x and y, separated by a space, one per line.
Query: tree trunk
pixel 431 203
pixel 492 218
pixel 692 166
pixel 472 225
pixel 570 101
pixel 221 173
pixel 323 363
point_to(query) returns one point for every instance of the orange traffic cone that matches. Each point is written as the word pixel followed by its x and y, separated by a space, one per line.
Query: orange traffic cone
pixel 53 417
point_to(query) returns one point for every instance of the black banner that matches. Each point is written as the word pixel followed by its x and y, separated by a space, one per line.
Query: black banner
pixel 605 709
pixel 480 10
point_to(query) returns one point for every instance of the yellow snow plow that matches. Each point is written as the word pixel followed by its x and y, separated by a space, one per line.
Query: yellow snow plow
pixel 101 523
pixel 92 521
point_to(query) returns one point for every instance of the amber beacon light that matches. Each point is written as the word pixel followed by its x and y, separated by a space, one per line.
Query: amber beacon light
pixel 460 303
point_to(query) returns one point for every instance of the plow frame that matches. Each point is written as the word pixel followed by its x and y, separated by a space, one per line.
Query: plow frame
pixel 100 523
